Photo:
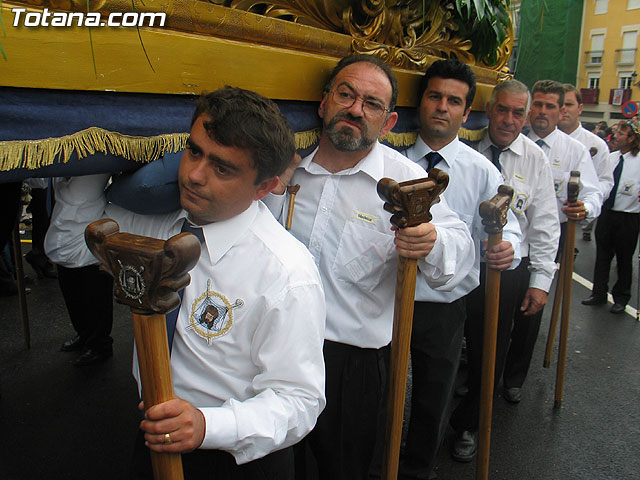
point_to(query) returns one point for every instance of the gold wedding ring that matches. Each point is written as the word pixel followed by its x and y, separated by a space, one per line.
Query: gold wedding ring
pixel 167 439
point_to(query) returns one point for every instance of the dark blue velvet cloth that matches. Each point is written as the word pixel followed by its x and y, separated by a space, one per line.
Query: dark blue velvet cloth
pixel 31 114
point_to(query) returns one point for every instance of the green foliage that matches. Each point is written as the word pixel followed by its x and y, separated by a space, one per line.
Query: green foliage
pixel 485 23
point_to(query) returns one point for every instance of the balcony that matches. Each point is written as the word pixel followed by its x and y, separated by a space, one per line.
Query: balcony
pixel 590 95
pixel 625 56
pixel 617 96
pixel 593 58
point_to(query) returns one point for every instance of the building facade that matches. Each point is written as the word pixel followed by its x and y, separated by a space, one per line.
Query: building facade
pixel 608 67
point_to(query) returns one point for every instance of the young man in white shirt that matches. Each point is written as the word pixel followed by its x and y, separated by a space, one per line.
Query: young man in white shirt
pixel 446 94
pixel 340 217
pixel 617 227
pixel 598 149
pixel 526 169
pixel 251 384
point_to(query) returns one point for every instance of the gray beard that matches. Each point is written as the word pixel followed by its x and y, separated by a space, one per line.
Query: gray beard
pixel 343 139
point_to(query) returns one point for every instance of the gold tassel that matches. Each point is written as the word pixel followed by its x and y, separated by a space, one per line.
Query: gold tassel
pixel 307 138
pixel 401 139
pixel 32 154
pixel 472 135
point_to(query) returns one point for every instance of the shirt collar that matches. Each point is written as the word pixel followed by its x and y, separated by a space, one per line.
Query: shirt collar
pixel 372 164
pixel 517 146
pixel 549 139
pixel 221 236
pixel 449 152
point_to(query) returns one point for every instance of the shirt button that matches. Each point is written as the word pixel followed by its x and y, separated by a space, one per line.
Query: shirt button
pixel 324 209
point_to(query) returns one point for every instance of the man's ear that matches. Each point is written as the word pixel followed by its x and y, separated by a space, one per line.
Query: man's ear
pixel 389 123
pixel 265 188
pixel 322 106
pixel 466 115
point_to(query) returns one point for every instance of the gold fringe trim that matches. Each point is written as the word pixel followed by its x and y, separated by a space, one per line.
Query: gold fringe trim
pixel 32 154
pixel 400 139
pixel 472 135
pixel 307 138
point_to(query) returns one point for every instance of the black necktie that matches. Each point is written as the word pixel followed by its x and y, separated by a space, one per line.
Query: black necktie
pixel 495 156
pixel 540 143
pixel 172 317
pixel 432 160
pixel 608 203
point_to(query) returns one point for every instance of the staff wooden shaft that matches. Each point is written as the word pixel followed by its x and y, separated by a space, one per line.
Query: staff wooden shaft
pixel 292 190
pixel 555 312
pixel 491 310
pixel 155 375
pixel 494 217
pixel 399 362
pixel 410 203
pixel 22 297
pixel 566 309
pixel 148 272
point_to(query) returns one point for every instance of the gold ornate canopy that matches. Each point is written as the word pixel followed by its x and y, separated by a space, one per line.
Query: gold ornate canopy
pixel 282 49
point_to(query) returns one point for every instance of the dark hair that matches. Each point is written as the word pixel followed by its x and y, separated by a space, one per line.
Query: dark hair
pixel 633 129
pixel 549 86
pixel 244 119
pixel 359 58
pixel 454 69
pixel 572 88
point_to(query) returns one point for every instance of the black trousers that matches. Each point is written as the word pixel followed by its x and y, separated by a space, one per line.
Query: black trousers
pixel 616 234
pixel 343 440
pixel 88 295
pixel 523 336
pixel 217 465
pixel 466 414
pixel 436 343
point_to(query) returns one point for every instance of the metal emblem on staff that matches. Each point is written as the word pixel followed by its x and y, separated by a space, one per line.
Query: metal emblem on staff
pixel 409 203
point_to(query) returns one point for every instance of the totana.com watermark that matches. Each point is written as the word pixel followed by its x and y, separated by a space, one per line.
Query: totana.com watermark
pixel 22 18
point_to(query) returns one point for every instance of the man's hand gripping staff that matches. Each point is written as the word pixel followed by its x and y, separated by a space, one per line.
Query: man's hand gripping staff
pixel 148 273
pixel 410 204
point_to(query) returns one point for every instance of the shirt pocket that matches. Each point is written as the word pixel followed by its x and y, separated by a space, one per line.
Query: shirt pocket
pixel 363 256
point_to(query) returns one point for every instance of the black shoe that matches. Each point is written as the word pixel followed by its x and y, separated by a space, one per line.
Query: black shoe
pixel 91 356
pixel 586 236
pixel 617 308
pixel 594 300
pixel 512 395
pixel 465 446
pixel 74 344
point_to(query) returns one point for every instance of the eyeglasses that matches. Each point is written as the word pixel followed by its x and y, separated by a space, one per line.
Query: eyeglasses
pixel 345 98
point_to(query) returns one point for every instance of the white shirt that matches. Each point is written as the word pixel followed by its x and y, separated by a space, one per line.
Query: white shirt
pixel 599 151
pixel 526 168
pixel 472 180
pixel 341 219
pixel 566 154
pixel 258 374
pixel 629 186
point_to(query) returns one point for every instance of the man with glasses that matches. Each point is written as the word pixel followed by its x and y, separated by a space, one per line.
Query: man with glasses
pixel 341 219
pixel 617 227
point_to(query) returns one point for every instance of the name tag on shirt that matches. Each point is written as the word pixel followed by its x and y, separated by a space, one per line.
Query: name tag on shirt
pixel 366 217
pixel 556 163
pixel 522 178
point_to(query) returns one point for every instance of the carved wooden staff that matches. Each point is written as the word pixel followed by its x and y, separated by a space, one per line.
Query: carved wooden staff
pixel 148 272
pixel 573 189
pixel 291 190
pixel 410 203
pixel 494 218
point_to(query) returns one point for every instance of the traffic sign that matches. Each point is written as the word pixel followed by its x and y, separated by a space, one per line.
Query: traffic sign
pixel 629 108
